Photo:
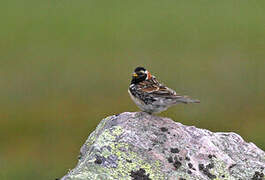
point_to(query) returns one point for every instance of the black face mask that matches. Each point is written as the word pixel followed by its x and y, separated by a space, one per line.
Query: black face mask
pixel 137 79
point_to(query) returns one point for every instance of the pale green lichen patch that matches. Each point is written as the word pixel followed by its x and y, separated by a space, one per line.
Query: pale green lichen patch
pixel 106 137
pixel 129 161
pixel 116 159
pixel 92 172
pixel 95 134
pixel 117 131
pixel 220 170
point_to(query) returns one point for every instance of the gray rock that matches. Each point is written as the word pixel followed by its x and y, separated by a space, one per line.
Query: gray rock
pixel 141 146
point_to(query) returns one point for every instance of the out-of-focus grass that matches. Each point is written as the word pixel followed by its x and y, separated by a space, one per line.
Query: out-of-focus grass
pixel 65 65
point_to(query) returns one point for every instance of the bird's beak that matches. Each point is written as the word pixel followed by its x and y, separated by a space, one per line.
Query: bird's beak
pixel 134 75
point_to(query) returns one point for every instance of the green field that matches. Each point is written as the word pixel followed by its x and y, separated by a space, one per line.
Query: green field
pixel 65 65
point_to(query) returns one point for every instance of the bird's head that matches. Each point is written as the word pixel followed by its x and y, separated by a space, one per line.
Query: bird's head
pixel 140 74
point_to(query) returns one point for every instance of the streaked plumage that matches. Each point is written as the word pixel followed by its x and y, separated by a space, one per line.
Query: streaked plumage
pixel 150 95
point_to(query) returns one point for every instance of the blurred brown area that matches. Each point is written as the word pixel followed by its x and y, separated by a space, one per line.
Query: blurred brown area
pixel 65 65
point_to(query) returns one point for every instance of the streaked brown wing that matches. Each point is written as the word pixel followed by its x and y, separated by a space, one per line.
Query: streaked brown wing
pixel 150 89
pixel 149 86
pixel 158 90
pixel 164 92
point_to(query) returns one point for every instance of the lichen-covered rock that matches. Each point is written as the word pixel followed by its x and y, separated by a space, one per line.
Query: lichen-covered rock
pixel 141 146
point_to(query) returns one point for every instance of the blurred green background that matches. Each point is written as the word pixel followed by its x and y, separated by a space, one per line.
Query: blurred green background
pixel 65 65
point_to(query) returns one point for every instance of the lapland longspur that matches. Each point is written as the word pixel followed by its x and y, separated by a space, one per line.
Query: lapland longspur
pixel 150 95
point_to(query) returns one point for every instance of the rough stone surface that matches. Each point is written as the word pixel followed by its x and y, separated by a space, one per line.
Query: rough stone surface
pixel 140 146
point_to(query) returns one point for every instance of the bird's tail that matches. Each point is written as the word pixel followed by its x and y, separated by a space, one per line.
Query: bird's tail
pixel 187 99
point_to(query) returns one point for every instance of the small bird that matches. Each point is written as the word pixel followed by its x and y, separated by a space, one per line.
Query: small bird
pixel 150 95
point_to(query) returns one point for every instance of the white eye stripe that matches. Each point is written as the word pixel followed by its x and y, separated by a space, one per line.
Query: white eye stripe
pixel 146 72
